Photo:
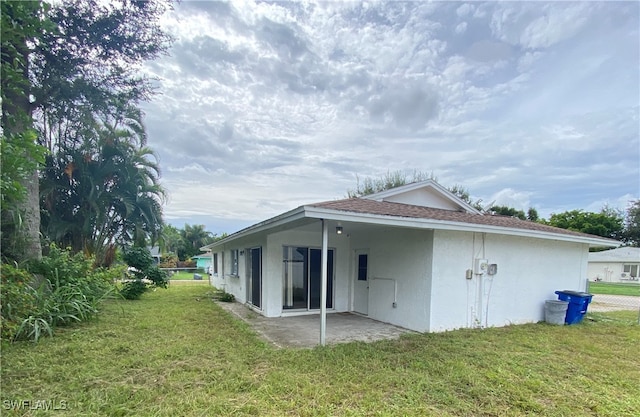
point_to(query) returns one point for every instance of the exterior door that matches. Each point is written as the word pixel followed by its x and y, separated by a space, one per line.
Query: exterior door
pixel 315 278
pixel 302 278
pixel 361 282
pixel 254 281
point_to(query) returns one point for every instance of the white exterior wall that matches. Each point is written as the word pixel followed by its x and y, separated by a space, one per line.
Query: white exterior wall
pixel 426 269
pixel 610 271
pixel 403 257
pixel 237 285
pixel 529 271
pixel 422 197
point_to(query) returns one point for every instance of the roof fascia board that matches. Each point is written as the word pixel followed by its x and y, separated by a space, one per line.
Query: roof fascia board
pixel 337 215
pixel 380 196
pixel 290 216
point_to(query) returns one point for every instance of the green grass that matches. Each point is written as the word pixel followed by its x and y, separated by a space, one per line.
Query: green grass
pixel 182 275
pixel 614 288
pixel 176 353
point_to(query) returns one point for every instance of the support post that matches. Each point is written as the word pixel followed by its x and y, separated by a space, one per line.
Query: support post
pixel 323 286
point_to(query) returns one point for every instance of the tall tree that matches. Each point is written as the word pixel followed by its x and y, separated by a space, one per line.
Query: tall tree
pixel 607 223
pixel 399 178
pixel 387 181
pixel 194 237
pixel 23 25
pixel 103 193
pixel 508 211
pixel 92 64
pixel 171 240
pixel 632 224
pixel 66 64
pixel 532 214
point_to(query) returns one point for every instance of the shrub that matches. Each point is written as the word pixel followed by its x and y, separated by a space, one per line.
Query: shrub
pixel 157 276
pixel 138 258
pixel 143 269
pixel 227 297
pixel 169 260
pixel 60 268
pixel 133 290
pixel 58 290
pixel 62 264
pixel 17 301
pixel 187 264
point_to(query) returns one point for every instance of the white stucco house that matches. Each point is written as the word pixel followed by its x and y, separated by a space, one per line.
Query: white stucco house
pixel 615 265
pixel 416 256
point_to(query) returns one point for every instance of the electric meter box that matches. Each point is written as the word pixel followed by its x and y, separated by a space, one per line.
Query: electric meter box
pixel 481 266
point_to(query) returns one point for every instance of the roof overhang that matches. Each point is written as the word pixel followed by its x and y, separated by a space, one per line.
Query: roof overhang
pixel 312 212
pixel 418 223
pixel 274 222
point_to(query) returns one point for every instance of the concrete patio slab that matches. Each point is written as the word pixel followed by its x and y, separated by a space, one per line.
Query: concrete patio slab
pixel 304 331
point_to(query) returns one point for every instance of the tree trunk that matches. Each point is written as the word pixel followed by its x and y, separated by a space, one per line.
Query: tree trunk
pixel 31 218
pixel 17 116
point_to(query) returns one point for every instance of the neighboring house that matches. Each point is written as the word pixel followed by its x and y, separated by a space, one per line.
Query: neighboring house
pixel 416 256
pixel 155 254
pixel 615 265
pixel 202 261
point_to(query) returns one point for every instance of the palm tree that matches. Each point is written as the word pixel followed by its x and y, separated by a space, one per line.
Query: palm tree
pixel 102 194
pixel 194 238
pixel 171 239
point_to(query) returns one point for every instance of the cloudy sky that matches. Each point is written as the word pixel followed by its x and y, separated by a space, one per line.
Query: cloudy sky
pixel 268 106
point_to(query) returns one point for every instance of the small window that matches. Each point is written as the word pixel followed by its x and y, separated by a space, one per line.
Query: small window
pixel 234 262
pixel 362 267
pixel 215 264
pixel 631 270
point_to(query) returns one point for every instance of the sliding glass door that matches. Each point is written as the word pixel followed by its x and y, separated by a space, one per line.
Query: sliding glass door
pixel 302 278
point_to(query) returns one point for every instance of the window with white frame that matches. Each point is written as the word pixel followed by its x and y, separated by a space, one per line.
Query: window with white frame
pixel 215 264
pixel 234 262
pixel 630 270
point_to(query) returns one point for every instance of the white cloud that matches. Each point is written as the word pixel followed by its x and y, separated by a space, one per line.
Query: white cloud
pixel 508 197
pixel 555 25
pixel 464 10
pixel 267 106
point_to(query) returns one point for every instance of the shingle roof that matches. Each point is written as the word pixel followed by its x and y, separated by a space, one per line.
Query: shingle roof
pixel 628 254
pixel 386 208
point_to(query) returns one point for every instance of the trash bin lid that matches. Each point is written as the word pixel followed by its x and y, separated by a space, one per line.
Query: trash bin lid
pixel 574 293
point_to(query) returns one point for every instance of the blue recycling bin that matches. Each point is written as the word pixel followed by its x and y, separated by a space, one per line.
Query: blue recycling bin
pixel 578 304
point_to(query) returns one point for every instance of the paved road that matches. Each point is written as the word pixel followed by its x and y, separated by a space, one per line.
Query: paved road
pixel 603 303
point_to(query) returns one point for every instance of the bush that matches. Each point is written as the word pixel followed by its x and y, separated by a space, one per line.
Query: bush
pixel 169 260
pixel 58 290
pixel 60 268
pixel 61 265
pixel 187 264
pixel 157 276
pixel 227 297
pixel 133 290
pixel 138 258
pixel 17 301
pixel 144 273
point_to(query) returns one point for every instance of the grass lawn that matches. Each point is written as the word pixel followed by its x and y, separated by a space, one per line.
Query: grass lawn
pixel 614 288
pixel 176 353
pixel 183 275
